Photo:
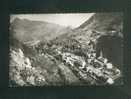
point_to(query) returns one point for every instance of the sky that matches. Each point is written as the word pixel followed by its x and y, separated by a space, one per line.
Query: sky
pixel 72 20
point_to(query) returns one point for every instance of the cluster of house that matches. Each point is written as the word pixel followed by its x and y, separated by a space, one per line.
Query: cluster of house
pixel 99 69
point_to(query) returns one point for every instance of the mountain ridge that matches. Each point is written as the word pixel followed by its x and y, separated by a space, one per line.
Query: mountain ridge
pixel 26 30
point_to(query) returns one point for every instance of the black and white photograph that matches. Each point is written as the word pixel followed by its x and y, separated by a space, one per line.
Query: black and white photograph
pixel 66 49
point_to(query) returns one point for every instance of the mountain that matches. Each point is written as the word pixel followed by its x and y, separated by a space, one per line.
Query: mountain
pixel 99 24
pixel 27 30
pixel 69 55
pixel 104 22
pixel 29 67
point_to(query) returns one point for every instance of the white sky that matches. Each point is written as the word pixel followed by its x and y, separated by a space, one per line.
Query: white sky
pixel 72 20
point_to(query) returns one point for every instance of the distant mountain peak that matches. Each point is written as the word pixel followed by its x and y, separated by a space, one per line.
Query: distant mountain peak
pixel 28 30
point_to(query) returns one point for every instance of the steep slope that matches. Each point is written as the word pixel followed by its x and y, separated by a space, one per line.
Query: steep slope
pixel 99 24
pixel 29 67
pixel 104 22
